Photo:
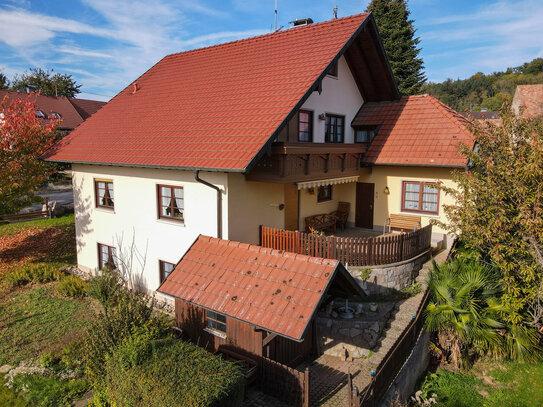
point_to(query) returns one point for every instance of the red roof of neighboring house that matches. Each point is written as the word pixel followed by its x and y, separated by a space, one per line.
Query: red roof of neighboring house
pixel 71 115
pixel 530 97
pixel 416 130
pixel 271 289
pixel 214 107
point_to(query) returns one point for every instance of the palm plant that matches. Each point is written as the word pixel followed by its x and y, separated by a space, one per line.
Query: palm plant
pixel 467 313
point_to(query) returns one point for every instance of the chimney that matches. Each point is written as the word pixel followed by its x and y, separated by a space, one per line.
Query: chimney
pixel 302 21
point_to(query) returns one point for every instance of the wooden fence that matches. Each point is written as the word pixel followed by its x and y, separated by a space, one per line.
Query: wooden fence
pixel 356 251
pixel 284 383
pixel 25 217
pixel 390 366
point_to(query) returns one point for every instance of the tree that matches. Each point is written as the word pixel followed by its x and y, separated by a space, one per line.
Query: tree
pixel 398 35
pixel 4 83
pixel 23 139
pixel 499 209
pixel 47 82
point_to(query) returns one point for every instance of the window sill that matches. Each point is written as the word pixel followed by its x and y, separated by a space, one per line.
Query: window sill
pixel 105 209
pixel 425 214
pixel 215 332
pixel 324 202
pixel 171 221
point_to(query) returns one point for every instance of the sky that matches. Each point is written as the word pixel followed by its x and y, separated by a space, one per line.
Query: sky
pixel 106 44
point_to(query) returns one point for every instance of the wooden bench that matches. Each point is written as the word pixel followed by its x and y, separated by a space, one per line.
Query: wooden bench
pixel 342 214
pixel 321 222
pixel 24 217
pixel 404 223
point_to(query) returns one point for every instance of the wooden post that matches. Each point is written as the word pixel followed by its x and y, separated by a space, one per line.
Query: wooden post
pixel 350 388
pixel 401 247
pixel 306 387
pixel 260 235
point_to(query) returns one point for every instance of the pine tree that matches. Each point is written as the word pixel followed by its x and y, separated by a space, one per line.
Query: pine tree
pixel 398 35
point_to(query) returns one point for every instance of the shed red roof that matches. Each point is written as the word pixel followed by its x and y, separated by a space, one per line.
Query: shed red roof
pixel 416 130
pixel 72 111
pixel 210 108
pixel 271 289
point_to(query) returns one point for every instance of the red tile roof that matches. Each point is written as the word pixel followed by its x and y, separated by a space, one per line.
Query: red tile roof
pixel 530 97
pixel 210 108
pixel 71 116
pixel 271 289
pixel 417 130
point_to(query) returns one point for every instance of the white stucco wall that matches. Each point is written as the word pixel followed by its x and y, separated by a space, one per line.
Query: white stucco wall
pixel 339 96
pixel 135 217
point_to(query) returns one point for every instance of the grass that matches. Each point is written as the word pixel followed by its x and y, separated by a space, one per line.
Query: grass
pixel 489 384
pixel 8 398
pixel 14 228
pixel 35 319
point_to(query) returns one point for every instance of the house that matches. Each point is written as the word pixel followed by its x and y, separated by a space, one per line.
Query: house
pixel 255 300
pixel 70 111
pixel 266 131
pixel 530 99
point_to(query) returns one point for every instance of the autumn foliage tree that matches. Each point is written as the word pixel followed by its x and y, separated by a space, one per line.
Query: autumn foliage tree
pixel 499 209
pixel 23 139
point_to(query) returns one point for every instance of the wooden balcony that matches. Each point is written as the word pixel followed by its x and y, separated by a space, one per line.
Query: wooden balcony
pixel 295 162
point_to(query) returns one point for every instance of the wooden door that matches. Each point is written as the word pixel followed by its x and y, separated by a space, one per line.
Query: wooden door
pixel 291 207
pixel 364 205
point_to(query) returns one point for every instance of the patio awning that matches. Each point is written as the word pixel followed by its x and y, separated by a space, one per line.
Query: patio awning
pixel 329 181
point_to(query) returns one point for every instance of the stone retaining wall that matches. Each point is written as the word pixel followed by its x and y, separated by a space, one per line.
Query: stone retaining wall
pixel 395 276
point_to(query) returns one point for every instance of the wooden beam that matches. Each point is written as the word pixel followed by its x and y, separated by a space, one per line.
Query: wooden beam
pixel 268 339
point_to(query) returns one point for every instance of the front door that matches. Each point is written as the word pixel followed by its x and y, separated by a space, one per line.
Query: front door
pixel 364 205
pixel 291 207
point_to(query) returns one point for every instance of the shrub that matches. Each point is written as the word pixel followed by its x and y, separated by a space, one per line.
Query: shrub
pixel 33 273
pixel 48 391
pixel 171 372
pixel 106 287
pixel 48 359
pixel 72 354
pixel 72 286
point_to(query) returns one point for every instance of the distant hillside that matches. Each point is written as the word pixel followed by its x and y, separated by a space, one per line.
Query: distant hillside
pixel 485 90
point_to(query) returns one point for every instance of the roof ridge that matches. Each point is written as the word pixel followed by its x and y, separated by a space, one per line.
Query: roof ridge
pixel 256 37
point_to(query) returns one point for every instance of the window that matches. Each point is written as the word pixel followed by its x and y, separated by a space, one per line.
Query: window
pixel 420 197
pixel 334 128
pixel 170 202
pixel 324 193
pixel 364 135
pixel 216 321
pixel 333 70
pixel 103 190
pixel 107 256
pixel 40 114
pixel 165 269
pixel 56 115
pixel 305 125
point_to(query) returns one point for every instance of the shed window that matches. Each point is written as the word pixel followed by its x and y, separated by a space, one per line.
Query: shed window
pixel 305 126
pixel 334 128
pixel 216 321
pixel 107 256
pixel 324 193
pixel 171 202
pixel 420 197
pixel 165 269
pixel 103 189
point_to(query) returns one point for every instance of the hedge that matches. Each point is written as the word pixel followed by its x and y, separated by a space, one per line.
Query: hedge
pixel 171 372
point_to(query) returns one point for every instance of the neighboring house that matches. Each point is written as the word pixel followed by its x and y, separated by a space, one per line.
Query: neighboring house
pixel 483 116
pixel 529 98
pixel 70 111
pixel 262 131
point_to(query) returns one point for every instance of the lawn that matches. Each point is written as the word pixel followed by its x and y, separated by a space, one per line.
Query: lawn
pixel 489 384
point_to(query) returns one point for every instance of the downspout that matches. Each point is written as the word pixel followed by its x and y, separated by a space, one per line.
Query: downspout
pixel 219 201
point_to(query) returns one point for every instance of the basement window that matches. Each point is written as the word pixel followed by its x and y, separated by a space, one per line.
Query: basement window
pixel 107 257
pixel 165 269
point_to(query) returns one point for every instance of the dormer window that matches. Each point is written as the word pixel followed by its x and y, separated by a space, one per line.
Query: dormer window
pixel 56 115
pixel 40 114
pixel 365 134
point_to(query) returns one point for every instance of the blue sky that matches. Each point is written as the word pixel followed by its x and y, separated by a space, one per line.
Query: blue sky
pixel 106 44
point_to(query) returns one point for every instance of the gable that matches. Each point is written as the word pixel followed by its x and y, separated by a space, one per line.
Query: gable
pixel 216 108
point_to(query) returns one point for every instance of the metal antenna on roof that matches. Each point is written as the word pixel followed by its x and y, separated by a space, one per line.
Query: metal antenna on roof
pixel 275 16
pixel 335 11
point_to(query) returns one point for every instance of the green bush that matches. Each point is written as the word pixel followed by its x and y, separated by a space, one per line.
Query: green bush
pixel 168 372
pixel 72 354
pixel 48 359
pixel 106 287
pixel 72 286
pixel 33 273
pixel 48 391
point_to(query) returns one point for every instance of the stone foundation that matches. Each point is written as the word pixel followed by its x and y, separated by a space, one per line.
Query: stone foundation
pixel 395 276
pixel 354 338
